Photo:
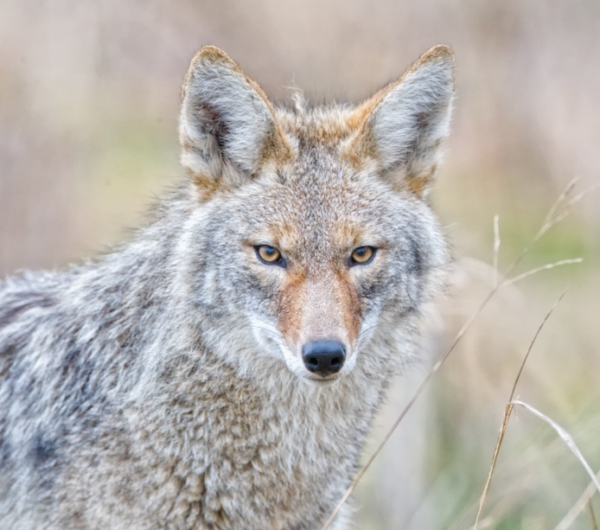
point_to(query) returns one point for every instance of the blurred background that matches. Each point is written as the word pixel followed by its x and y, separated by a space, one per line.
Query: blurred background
pixel 89 96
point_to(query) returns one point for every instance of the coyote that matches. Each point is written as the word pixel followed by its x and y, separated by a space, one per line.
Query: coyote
pixel 221 370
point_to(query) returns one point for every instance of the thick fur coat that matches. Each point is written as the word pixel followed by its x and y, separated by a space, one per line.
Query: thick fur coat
pixel 164 385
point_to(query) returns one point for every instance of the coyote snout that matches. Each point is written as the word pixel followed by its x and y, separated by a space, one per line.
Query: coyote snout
pixel 319 320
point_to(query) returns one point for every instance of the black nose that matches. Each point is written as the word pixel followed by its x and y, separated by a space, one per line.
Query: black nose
pixel 324 357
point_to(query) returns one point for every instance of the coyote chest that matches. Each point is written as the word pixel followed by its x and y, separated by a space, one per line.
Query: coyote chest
pixel 205 456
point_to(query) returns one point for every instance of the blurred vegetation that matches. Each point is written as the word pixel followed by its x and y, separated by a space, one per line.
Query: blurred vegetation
pixel 89 95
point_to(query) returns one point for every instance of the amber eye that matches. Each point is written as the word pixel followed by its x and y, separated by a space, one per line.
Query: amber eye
pixel 269 255
pixel 362 255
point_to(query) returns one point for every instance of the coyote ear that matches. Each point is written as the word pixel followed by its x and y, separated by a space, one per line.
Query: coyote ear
pixel 406 122
pixel 227 128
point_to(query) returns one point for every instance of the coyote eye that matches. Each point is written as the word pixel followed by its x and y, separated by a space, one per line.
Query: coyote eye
pixel 362 255
pixel 269 255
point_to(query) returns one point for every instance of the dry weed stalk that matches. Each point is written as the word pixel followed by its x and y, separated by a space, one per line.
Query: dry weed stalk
pixel 557 213
pixel 542 268
pixel 593 517
pixel 507 412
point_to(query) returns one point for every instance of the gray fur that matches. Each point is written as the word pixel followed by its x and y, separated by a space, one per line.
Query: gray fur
pixel 148 389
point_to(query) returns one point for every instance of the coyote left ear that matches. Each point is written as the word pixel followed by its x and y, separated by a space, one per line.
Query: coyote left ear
pixel 403 125
pixel 227 128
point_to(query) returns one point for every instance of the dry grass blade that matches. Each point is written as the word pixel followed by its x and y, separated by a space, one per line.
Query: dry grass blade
pixel 537 333
pixel 578 507
pixel 560 209
pixel 581 195
pixel 565 436
pixel 593 516
pixel 560 263
pixel 557 209
pixel 507 412
pixel 556 213
pixel 488 482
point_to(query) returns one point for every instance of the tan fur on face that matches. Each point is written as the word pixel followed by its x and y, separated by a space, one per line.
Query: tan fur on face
pixel 417 184
pixel 320 129
pixel 349 304
pixel 293 295
pixel 314 309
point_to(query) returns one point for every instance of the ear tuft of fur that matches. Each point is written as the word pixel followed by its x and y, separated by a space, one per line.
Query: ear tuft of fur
pixel 407 120
pixel 227 127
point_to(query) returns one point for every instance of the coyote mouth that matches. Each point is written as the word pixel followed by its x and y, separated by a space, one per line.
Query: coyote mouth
pixel 321 381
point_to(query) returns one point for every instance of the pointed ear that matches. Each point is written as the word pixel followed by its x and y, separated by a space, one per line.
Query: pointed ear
pixel 227 128
pixel 403 125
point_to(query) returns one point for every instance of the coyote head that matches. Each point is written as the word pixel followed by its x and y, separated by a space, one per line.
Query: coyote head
pixel 313 224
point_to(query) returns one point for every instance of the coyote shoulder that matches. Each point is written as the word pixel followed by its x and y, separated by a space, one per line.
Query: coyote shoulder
pixel 221 369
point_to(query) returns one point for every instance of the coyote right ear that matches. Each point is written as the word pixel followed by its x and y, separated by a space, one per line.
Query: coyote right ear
pixel 403 125
pixel 227 128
